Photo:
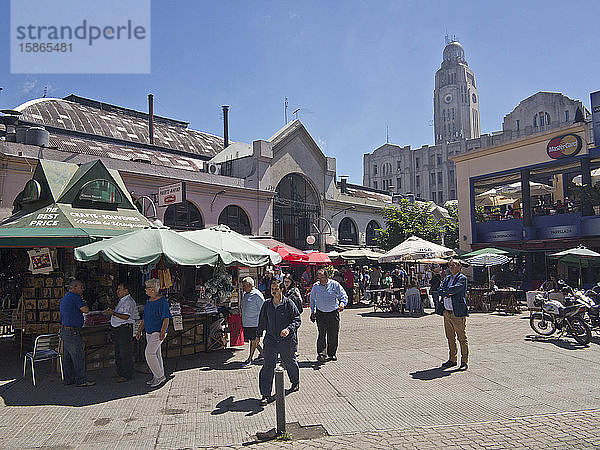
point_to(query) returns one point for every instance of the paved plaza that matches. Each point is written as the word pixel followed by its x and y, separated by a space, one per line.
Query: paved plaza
pixel 385 391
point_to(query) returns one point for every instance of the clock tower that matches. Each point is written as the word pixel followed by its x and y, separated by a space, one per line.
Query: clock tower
pixel 455 97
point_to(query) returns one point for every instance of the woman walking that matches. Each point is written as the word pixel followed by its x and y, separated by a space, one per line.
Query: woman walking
pixel 156 324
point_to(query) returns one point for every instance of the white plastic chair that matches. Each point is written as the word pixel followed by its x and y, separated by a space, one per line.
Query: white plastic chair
pixel 46 347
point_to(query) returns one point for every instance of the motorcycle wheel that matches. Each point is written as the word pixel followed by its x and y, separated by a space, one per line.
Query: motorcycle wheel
pixel 580 330
pixel 542 325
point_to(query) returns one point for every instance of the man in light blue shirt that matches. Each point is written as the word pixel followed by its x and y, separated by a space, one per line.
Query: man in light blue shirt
pixel 252 302
pixel 327 299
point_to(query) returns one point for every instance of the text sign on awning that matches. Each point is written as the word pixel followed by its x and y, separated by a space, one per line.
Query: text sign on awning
pixel 171 194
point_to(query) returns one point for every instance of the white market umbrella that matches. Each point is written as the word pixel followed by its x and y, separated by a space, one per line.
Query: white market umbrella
pixel 488 260
pixel 415 248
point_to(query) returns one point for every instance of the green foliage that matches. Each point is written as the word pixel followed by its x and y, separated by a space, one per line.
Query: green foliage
pixel 411 219
pixel 451 226
pixel 588 194
pixel 285 436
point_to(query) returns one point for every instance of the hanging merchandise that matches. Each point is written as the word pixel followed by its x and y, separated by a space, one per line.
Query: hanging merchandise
pixel 164 275
pixel 219 288
pixel 40 261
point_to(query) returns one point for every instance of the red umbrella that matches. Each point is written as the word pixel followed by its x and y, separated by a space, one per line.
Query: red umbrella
pixel 318 259
pixel 289 255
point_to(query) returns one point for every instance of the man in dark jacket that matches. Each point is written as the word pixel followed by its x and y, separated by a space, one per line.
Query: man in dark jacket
pixel 453 306
pixel 280 318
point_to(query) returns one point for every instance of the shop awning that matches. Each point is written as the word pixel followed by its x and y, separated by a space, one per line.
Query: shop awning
pixel 242 250
pixel 148 245
pixel 360 254
pixel 61 225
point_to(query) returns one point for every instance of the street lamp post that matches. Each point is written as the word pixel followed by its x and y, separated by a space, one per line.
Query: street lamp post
pixel 322 227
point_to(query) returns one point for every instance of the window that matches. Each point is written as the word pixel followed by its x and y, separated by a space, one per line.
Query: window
pixel 236 219
pixel 432 160
pixel 452 113
pixel 386 169
pixel 375 184
pixel 566 116
pixel 440 179
pixel 451 175
pixel 433 197
pixel 518 128
pixel 100 191
pixel 417 163
pixel 385 185
pixel 183 216
pixel 441 197
pixel 347 232
pixel 439 160
pixel 372 232
pixel 452 194
pixel 398 183
pixel 432 177
pixel 418 181
pixel 541 119
pixel 399 164
pixel 374 169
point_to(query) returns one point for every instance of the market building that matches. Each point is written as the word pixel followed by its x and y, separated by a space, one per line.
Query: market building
pixel 533 192
pixel 283 186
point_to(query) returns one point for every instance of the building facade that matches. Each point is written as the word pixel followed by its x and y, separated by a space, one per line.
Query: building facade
pixel 428 172
pixel 283 186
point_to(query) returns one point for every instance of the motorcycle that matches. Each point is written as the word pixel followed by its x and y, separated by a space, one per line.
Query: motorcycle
pixel 554 317
pixel 586 299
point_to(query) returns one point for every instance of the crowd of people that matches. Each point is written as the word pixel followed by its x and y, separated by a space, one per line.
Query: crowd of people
pixel 271 311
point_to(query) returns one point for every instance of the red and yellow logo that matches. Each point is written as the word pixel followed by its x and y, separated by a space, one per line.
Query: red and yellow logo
pixel 564 146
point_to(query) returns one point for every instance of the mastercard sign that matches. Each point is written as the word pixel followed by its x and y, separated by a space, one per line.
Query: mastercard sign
pixel 564 146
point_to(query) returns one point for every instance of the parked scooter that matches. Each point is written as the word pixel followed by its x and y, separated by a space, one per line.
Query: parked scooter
pixel 554 317
pixel 578 297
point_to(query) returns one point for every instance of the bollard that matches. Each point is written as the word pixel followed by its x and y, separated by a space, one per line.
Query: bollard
pixel 279 400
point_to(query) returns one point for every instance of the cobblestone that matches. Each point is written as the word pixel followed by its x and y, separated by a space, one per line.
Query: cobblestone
pixel 385 391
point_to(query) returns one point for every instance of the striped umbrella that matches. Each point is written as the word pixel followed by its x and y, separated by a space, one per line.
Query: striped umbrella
pixel 488 260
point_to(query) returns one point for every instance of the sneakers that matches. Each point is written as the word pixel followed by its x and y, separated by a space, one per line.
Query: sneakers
pixel 332 358
pixel 150 381
pixel 259 359
pixel 263 401
pixel 87 384
pixel 158 382
pixel 247 364
pixel 463 366
pixel 321 358
pixel 295 387
pixel 448 364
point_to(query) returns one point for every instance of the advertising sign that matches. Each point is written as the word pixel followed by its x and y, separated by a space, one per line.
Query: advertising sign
pixel 595 96
pixel 171 194
pixel 564 146
pixel 504 235
pixel 558 232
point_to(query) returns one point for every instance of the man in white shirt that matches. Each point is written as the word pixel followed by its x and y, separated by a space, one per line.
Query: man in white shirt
pixel 122 319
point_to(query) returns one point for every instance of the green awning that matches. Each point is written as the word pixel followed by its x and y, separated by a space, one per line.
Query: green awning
pixel 147 246
pixel 43 237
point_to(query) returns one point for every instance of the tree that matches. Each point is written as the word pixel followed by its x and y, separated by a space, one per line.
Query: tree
pixel 408 219
pixel 451 226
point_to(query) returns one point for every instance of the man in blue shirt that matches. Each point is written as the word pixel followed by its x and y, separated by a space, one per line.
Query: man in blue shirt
pixel 252 302
pixel 327 299
pixel 72 308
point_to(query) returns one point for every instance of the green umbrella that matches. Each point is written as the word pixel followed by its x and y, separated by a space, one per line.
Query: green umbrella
pixel 240 249
pixel 148 245
pixel 485 251
pixel 361 253
pixel 581 256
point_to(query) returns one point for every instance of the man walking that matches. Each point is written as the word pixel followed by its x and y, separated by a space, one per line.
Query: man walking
pixel 72 308
pixel 327 299
pixel 453 291
pixel 280 318
pixel 252 302
pixel 122 319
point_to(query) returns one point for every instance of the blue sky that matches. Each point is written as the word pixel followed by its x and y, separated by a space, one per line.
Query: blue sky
pixel 352 67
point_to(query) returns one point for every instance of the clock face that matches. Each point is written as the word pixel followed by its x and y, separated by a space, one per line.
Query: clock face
pixel 474 97
pixel 448 98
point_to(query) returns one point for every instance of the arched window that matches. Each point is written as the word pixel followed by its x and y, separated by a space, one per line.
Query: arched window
pixel 295 209
pixel 347 232
pixel 387 168
pixel 541 119
pixel 236 219
pixel 183 216
pixel 372 232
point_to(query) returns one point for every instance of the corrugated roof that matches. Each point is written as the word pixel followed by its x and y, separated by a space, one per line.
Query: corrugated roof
pixel 95 118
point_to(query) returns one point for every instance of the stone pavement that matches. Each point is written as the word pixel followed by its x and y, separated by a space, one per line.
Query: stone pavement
pixel 385 391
